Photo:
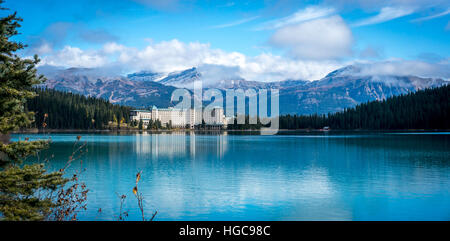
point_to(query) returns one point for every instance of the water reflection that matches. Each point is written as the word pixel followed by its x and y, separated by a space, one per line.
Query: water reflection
pixel 191 176
pixel 177 144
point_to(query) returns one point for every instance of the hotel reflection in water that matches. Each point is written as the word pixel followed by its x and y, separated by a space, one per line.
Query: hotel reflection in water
pixel 179 144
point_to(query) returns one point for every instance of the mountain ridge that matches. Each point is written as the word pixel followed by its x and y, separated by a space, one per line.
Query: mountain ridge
pixel 340 89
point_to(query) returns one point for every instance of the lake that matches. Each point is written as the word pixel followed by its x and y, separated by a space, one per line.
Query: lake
pixel 331 176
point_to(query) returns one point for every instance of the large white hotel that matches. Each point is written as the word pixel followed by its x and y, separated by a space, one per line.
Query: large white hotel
pixel 180 118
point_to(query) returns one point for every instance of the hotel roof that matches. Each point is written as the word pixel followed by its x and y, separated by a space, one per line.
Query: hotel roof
pixel 167 109
pixel 142 111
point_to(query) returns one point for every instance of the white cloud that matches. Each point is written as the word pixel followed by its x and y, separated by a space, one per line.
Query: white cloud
pixel 307 14
pixel 438 15
pixel 216 64
pixel 75 57
pixel 174 55
pixel 385 14
pixel 407 68
pixel 239 22
pixel 325 38
pixel 268 67
pixel 378 4
pixel 43 48
pixel 215 73
pixel 113 47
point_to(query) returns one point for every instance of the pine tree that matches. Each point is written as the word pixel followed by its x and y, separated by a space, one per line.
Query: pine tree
pixel 158 124
pixel 141 124
pixel 20 183
pixel 150 124
pixel 74 111
pixel 424 109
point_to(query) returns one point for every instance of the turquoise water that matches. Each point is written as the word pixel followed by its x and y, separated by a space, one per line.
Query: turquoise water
pixel 188 176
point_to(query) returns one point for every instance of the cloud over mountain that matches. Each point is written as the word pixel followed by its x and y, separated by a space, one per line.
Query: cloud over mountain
pixel 174 55
pixel 311 39
pixel 406 68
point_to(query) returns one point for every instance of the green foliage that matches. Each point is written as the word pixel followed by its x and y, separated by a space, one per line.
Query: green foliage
pixel 246 126
pixel 154 125
pixel 24 180
pixel 74 111
pixel 17 151
pixel 150 124
pixel 17 76
pixel 21 186
pixel 18 198
pixel 158 124
pixel 140 126
pixel 424 109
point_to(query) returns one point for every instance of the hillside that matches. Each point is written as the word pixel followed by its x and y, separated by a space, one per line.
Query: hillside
pixel 424 109
pixel 74 111
pixel 115 89
pixel 343 88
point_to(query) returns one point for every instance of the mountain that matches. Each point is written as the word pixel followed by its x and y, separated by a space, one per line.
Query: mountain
pixel 120 90
pixel 340 89
pixel 345 88
pixel 181 79
pixel 187 78
pixel 146 76
pixel 423 109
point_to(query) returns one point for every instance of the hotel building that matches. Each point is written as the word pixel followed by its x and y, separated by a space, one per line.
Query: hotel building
pixel 180 118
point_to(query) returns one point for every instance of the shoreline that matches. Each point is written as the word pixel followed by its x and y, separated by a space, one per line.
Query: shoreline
pixel 55 131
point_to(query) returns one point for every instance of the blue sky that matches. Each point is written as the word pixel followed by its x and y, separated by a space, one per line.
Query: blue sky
pixel 259 40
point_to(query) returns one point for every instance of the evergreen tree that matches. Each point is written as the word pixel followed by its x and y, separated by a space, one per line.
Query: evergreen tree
pixel 74 111
pixel 141 124
pixel 150 124
pixel 424 109
pixel 158 124
pixel 118 122
pixel 20 183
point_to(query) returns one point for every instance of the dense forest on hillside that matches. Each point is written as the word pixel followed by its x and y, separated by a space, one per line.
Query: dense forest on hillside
pixel 424 109
pixel 74 111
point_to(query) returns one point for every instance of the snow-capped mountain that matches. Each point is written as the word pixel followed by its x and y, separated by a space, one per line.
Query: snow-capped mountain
pixel 340 89
pixel 120 90
pixel 146 76
pixel 182 79
pixel 343 89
